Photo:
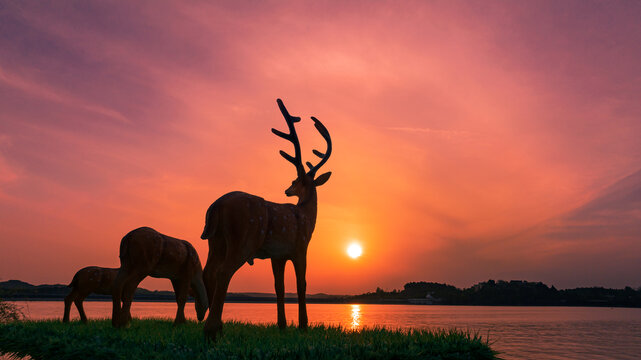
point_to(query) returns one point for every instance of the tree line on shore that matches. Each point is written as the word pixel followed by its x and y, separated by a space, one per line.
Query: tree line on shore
pixel 506 293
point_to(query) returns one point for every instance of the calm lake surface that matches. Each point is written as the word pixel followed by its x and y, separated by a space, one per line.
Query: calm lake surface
pixel 517 332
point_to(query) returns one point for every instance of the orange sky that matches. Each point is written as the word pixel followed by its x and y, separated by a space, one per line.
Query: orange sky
pixel 471 140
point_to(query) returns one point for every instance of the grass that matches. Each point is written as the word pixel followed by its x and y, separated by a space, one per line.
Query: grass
pixel 158 339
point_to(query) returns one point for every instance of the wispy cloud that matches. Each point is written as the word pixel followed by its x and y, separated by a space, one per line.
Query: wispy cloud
pixel 448 134
pixel 39 89
pixel 7 173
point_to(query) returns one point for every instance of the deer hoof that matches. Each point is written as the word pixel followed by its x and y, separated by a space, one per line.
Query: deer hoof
pixel 120 323
pixel 212 332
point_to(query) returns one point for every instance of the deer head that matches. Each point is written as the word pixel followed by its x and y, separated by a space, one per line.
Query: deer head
pixel 304 180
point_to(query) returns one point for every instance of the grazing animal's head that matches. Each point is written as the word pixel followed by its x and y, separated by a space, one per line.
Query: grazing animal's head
pixel 200 303
pixel 201 309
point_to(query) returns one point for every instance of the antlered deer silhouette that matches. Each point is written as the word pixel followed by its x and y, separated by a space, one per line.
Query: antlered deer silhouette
pixel 241 227
pixel 92 279
pixel 146 252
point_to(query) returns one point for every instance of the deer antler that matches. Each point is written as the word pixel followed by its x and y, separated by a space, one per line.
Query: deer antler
pixel 324 156
pixel 296 159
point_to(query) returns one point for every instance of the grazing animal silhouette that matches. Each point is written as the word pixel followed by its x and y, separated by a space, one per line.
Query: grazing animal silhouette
pixel 146 252
pixel 241 227
pixel 92 279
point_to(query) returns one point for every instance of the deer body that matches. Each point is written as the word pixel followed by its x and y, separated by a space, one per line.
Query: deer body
pixel 92 279
pixel 146 252
pixel 242 227
pixel 271 230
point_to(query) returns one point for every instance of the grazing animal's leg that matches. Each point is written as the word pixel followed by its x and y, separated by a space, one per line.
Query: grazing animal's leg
pixel 278 268
pixel 300 266
pixel 78 301
pixel 68 300
pixel 181 289
pixel 116 297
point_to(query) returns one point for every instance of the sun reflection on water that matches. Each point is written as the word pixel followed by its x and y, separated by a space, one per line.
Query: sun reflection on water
pixel 356 317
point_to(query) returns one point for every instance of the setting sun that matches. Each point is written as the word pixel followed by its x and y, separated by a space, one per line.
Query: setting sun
pixel 354 250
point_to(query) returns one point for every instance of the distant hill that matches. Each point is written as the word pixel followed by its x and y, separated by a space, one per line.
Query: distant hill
pixel 15 284
pixel 20 290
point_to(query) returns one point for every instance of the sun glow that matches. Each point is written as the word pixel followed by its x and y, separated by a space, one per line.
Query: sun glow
pixel 354 250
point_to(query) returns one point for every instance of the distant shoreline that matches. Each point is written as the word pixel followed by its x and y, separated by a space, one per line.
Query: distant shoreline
pixel 249 301
pixel 490 293
pixel 319 301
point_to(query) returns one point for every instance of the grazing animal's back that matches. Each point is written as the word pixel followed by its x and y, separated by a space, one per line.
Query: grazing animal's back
pixel 146 252
pixel 147 248
pixel 91 279
pixel 94 279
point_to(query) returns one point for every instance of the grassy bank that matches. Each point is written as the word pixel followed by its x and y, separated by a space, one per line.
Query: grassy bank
pixel 157 339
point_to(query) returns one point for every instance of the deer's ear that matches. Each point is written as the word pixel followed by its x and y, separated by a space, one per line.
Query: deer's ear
pixel 320 180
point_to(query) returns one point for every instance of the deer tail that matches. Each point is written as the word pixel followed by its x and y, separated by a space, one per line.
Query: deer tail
pixel 124 244
pixel 74 281
pixel 123 248
pixel 211 222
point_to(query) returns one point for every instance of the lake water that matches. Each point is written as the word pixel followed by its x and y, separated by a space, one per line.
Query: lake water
pixel 517 332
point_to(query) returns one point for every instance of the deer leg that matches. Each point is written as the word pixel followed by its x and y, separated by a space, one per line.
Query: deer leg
pixel 116 296
pixel 209 278
pixel 215 258
pixel 78 301
pixel 181 289
pixel 278 268
pixel 68 300
pixel 127 296
pixel 214 323
pixel 300 266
